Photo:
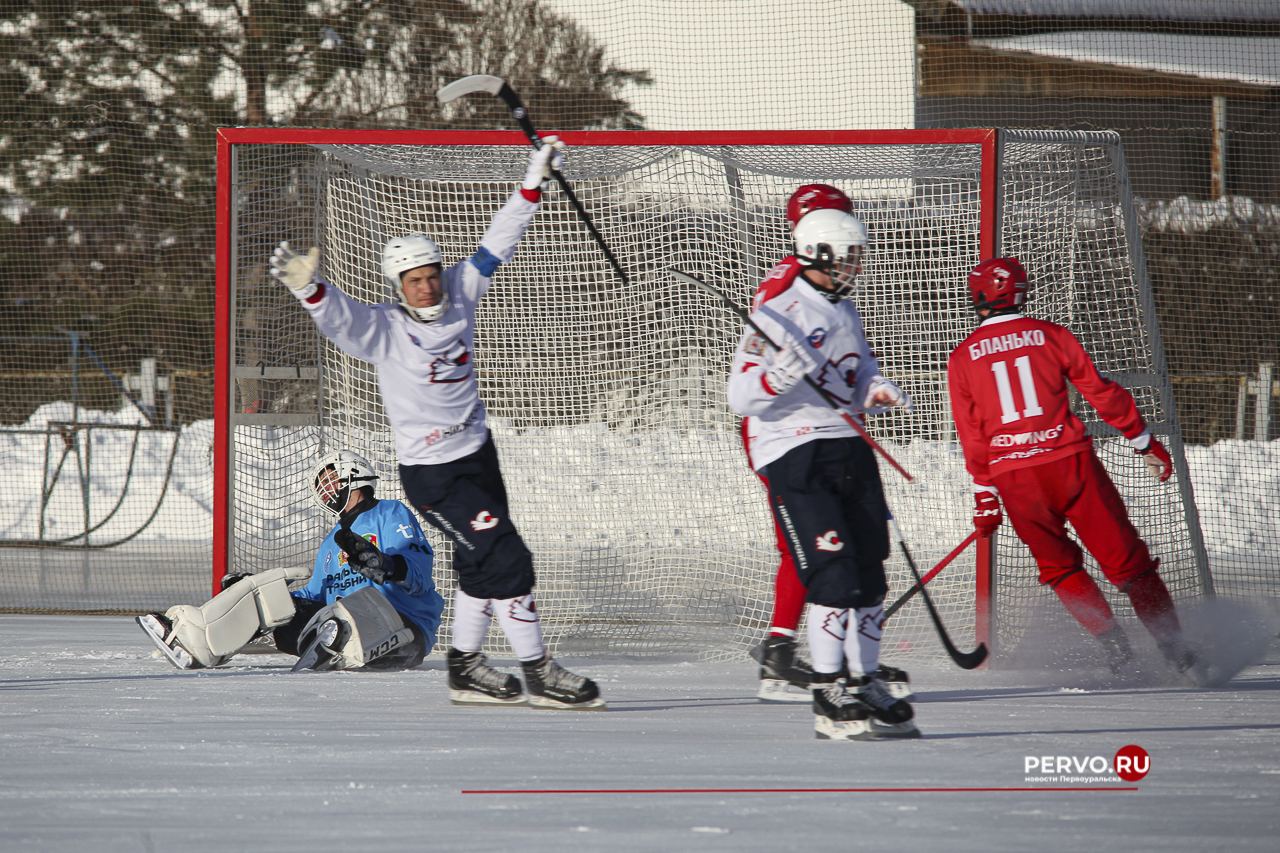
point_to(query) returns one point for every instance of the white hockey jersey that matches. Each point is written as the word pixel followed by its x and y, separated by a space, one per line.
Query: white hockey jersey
pixel 425 370
pixel 789 309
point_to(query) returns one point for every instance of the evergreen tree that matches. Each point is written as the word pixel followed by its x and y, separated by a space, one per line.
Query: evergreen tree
pixel 108 113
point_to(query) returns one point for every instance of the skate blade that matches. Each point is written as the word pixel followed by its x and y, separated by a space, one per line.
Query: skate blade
pixel 177 657
pixel 899 731
pixel 316 659
pixel 544 703
pixel 825 728
pixel 471 697
pixel 774 690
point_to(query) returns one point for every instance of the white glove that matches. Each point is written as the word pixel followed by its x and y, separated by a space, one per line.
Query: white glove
pixel 542 161
pixel 883 393
pixel 789 366
pixel 296 271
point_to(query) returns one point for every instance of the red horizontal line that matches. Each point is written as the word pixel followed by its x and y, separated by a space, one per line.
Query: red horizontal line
pixel 334 136
pixel 778 790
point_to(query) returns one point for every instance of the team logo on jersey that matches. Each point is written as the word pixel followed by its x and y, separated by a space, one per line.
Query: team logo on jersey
pixel 454 365
pixel 1033 437
pixel 753 345
pixel 483 521
pixel 342 555
pixel 829 541
pixel 816 337
pixel 838 377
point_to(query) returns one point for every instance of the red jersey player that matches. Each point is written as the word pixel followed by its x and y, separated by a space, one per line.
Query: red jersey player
pixel 783 676
pixel 1008 384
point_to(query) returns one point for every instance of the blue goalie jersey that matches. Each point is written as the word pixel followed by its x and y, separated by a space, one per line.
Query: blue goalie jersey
pixel 392 527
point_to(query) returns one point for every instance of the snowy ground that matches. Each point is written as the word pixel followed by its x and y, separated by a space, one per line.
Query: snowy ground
pixel 104 748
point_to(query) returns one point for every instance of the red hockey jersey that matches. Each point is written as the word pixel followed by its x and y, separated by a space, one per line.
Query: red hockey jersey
pixel 1008 384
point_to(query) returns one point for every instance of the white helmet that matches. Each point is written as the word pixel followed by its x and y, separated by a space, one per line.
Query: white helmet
pixel 335 476
pixel 408 253
pixel 832 240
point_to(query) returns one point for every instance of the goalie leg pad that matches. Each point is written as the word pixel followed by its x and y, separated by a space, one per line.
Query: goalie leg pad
pixel 372 632
pixel 214 632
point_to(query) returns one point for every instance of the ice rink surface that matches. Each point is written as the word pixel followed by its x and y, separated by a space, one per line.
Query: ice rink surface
pixel 105 748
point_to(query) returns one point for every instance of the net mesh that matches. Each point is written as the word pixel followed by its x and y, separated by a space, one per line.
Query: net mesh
pixel 107 177
pixel 622 460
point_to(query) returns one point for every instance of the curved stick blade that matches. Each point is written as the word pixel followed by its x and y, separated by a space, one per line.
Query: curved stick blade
pixel 486 83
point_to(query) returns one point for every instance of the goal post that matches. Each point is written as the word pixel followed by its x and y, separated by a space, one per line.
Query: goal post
pixel 607 401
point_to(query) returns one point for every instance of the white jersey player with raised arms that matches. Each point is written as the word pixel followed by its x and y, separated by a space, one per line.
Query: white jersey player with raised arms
pixel 421 345
pixel 822 477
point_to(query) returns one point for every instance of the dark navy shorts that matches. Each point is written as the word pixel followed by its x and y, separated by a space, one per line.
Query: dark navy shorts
pixel 467 501
pixel 827 498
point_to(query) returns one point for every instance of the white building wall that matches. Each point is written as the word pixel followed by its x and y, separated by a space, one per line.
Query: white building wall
pixel 760 64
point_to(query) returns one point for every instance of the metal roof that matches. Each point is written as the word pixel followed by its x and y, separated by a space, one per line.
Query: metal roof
pixel 1173 10
pixel 1255 61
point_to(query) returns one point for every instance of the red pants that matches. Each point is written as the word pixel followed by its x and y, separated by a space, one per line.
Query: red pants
pixel 788 592
pixel 1040 500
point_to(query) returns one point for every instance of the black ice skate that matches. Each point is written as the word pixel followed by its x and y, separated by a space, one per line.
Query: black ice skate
pixel 895 680
pixel 838 714
pixel 158 628
pixel 783 676
pixel 552 686
pixel 473 682
pixel 1116 644
pixel 319 650
pixel 890 717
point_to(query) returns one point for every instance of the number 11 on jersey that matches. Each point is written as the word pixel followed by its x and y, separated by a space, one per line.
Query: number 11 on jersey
pixel 1009 411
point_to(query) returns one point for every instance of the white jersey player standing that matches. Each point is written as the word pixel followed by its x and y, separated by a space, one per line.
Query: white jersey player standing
pixel 421 345
pixel 822 477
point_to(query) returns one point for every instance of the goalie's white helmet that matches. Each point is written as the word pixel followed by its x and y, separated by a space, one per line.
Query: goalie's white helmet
pixel 336 475
pixel 409 252
pixel 832 241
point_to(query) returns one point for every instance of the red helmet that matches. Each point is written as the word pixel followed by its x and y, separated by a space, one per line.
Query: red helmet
pixel 998 285
pixel 815 197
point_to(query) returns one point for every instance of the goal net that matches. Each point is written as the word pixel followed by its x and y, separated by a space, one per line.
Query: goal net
pixel 624 465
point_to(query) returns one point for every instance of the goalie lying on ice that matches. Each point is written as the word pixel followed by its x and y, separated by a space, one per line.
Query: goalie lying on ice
pixel 370 600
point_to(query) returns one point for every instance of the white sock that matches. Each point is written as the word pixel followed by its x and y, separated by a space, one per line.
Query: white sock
pixel 470 621
pixel 827 629
pixel 518 618
pixel 862 646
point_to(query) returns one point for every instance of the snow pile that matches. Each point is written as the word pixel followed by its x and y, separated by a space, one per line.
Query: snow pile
pixel 1237 489
pixel 1185 216
pixel 119 473
pixel 617 519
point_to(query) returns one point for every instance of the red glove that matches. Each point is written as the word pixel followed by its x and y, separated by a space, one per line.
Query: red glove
pixel 1157 459
pixel 986 513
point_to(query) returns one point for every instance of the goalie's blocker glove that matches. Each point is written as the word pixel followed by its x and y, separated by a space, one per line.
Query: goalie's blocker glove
pixel 369 561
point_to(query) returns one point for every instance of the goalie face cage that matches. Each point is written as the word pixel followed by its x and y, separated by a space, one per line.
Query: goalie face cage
pixel 624 465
